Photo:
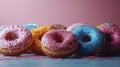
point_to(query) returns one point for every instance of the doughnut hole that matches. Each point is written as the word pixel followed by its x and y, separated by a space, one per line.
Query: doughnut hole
pixel 11 36
pixel 58 38
pixel 108 37
pixel 86 39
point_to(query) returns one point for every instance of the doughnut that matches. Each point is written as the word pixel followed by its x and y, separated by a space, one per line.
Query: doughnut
pixel 59 43
pixel 2 27
pixel 31 26
pixel 15 40
pixel 74 26
pixel 90 40
pixel 58 26
pixel 37 35
pixel 112 34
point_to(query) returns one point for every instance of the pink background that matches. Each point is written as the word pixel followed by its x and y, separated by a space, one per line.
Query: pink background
pixel 66 12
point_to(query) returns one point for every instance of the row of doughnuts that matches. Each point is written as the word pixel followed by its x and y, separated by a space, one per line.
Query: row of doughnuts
pixel 60 41
pixel 104 38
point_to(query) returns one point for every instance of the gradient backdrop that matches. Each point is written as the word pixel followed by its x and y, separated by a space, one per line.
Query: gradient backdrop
pixel 66 12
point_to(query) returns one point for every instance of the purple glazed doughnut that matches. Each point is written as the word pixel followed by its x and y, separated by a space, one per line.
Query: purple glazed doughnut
pixel 74 26
pixel 58 26
pixel 59 43
pixel 112 34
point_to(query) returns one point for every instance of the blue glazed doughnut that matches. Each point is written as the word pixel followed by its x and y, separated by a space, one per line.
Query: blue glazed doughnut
pixel 31 26
pixel 0 29
pixel 90 39
pixel 3 27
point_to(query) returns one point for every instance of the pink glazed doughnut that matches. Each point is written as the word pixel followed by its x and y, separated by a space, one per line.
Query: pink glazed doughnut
pixel 74 26
pixel 59 43
pixel 112 34
pixel 15 40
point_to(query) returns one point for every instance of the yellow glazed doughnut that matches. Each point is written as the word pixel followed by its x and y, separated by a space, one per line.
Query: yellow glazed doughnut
pixel 37 35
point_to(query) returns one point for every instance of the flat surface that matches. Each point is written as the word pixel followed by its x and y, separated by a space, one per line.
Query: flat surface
pixel 30 60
